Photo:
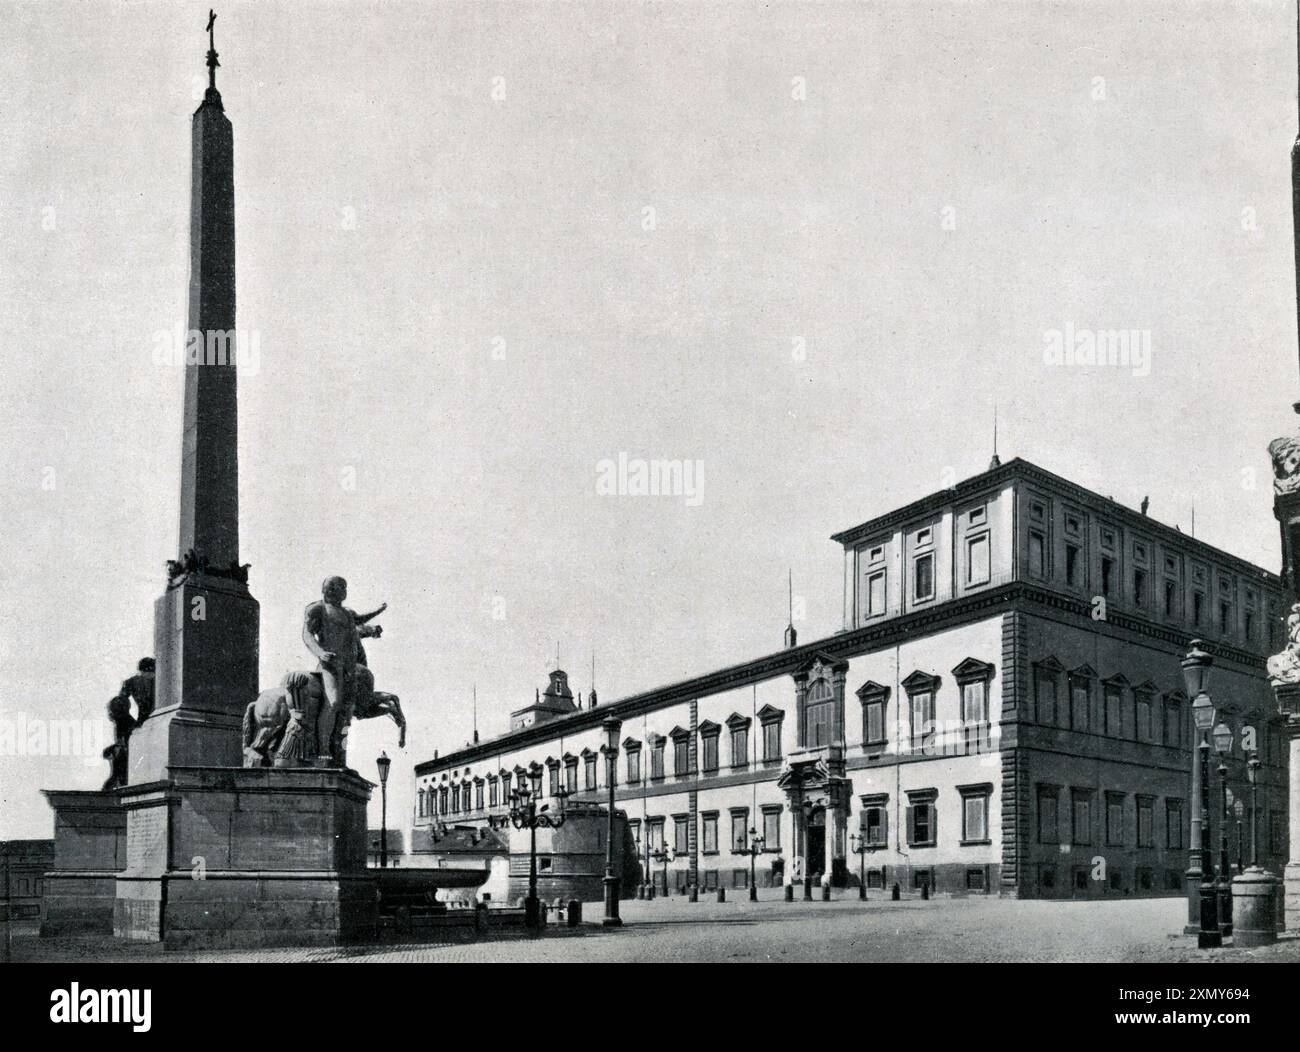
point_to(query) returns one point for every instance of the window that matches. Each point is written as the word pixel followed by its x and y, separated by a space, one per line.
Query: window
pixel 709 747
pixel 975 702
pixel 1114 819
pixel 975 813
pixel 923 729
pixel 772 828
pixel 478 796
pixel 1081 816
pixel 1198 608
pixel 1080 701
pixel 654 831
pixel 505 787
pixel 657 758
pixel 1037 511
pixel 976 879
pixel 819 714
pixel 924 537
pixel 771 737
pixel 1045 678
pixel 494 791
pixel 1225 616
pixel 554 779
pixel 1174 823
pixel 709 832
pixel 977 559
pixel 874 697
pixel 1107 575
pixel 1146 821
pixel 1049 831
pixel 977 516
pixel 739 741
pixel 1037 548
pixel 923 577
pixel 571 774
pixel 633 762
pixel 876 594
pixel 589 770
pixel 1072 575
pixel 1139 586
pixel 1114 713
pixel 681 834
pixel 1142 716
pixel 1171 593
pixel 739 829
pixel 921 818
pixel 1173 724
pixel 873 821
pixel 455 797
pixel 681 754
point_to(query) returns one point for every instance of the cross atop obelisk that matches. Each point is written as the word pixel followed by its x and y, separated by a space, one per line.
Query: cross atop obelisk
pixel 212 52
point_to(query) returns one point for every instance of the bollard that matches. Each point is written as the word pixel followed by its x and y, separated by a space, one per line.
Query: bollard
pixel 640 891
pixel 862 891
pixel 807 889
pixel 925 889
pixel 753 893
pixel 789 893
pixel 722 894
pixel 895 893
pixel 575 913
pixel 481 917
pixel 1255 897
pixel 826 891
pixel 695 893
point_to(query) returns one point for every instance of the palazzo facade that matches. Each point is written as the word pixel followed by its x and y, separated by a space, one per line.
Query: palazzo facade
pixel 1002 712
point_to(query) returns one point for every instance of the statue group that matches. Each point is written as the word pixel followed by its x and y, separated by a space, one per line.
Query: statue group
pixel 304 721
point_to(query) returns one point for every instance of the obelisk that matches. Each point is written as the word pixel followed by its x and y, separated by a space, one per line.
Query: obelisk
pixel 206 623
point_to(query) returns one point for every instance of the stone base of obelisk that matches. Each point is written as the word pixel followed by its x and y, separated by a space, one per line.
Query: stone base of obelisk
pixel 89 852
pixel 227 857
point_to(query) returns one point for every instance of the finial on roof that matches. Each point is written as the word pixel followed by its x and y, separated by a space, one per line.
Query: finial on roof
pixel 212 52
pixel 996 462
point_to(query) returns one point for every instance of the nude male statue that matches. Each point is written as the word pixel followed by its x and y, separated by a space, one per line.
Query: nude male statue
pixel 333 634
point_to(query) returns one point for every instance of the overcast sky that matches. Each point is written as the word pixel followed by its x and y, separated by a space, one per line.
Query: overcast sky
pixel 484 248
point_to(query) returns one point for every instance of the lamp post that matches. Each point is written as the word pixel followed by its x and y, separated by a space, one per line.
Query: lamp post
pixel 664 854
pixel 383 763
pixel 1239 812
pixel 753 848
pixel 1252 772
pixel 860 848
pixel 1201 912
pixel 612 725
pixel 1222 745
pixel 525 814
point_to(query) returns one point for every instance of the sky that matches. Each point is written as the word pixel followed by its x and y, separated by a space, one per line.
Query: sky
pixel 486 249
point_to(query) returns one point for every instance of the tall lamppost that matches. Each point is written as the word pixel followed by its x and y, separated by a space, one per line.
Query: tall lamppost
pixel 1201 911
pixel 860 848
pixel 752 849
pixel 1239 812
pixel 1222 745
pixel 383 763
pixel 1252 772
pixel 612 725
pixel 525 814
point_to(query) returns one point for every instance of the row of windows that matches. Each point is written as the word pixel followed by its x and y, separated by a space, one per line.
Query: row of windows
pixel 1066 699
pixel 1133 576
pixel 922 565
pixel 921 817
pixel 1114 831
pixel 769 831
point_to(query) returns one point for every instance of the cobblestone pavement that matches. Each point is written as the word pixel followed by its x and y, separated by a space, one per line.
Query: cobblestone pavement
pixel 845 930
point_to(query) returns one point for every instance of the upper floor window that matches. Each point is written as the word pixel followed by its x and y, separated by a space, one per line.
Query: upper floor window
pixel 739 830
pixel 1113 702
pixel 1080 698
pixel 922 818
pixel 1173 729
pixel 709 734
pixel 1146 832
pixel 739 727
pixel 589 770
pixel 771 720
pixel 978 516
pixel 571 774
pixel 1174 824
pixel 1049 831
pixel 553 782
pixel 681 752
pixel 977 559
pixel 657 758
pixel 1046 676
pixel 819 714
pixel 874 698
pixel 478 796
pixel 771 827
pixel 1037 554
pixel 1139 586
pixel 1073 565
pixel 1081 816
pixel 1115 819
pixel 975 813
pixel 1107 575
pixel 633 761
pixel 921 689
pixel 923 577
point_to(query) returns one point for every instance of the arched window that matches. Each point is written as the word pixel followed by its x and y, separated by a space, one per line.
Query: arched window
pixel 819 714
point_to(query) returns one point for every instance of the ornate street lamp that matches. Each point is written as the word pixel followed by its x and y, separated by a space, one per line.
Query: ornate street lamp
pixel 611 725
pixel 664 854
pixel 1252 772
pixel 1222 737
pixel 752 849
pixel 860 848
pixel 1196 675
pixel 525 814
pixel 1239 812
pixel 383 763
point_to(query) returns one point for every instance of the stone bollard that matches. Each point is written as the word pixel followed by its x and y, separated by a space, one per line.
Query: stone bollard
pixel 695 893
pixel 807 889
pixel 789 893
pixel 575 913
pixel 895 893
pixel 925 890
pixel 826 891
pixel 640 891
pixel 481 917
pixel 1254 921
pixel 722 894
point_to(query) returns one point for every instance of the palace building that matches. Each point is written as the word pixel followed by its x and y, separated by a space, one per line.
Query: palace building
pixel 1002 712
